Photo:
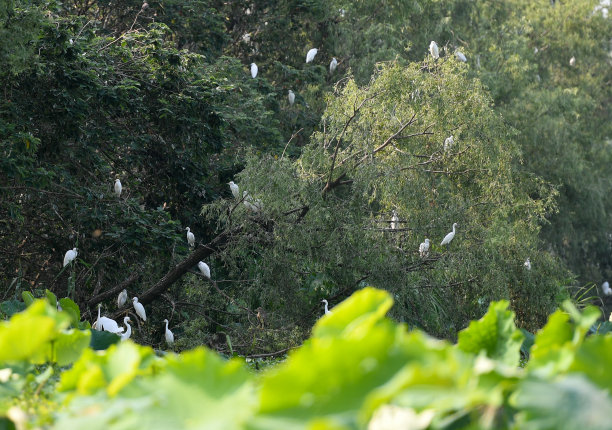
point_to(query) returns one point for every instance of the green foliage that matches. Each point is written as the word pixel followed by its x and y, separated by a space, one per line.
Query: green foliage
pixel 358 370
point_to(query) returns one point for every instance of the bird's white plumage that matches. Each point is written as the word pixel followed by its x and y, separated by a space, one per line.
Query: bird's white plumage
pixel 190 237
pixel 70 255
pixel 447 239
pixel 394 220
pixel 291 97
pixel 118 187
pixel 169 335
pixel 128 332
pixel 204 269
pixel 424 249
pixel 106 324
pixel 332 65
pixel 122 298
pixel 572 61
pixel 449 142
pixel 527 264
pixel 461 56
pixel 139 308
pixel 311 54
pixel 235 189
pixel 246 37
pixel 433 50
pixel 605 287
pixel 327 311
pixel 254 70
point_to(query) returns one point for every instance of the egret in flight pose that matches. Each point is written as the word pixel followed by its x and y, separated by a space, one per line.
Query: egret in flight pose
pixel 291 97
pixel 118 187
pixel 70 255
pixel 122 299
pixel 235 190
pixel 327 311
pixel 128 333
pixel 169 335
pixel 447 239
pixel 332 65
pixel 254 70
pixel 424 249
pixel 190 237
pixel 139 308
pixel 311 54
pixel 433 50
pixel 204 269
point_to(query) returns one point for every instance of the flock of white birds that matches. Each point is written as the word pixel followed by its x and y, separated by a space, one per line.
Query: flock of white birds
pixel 106 324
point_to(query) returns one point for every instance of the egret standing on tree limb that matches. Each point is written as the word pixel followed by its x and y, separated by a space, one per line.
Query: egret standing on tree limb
pixel 311 54
pixel 527 264
pixel 118 187
pixel 447 239
pixel 106 324
pixel 204 269
pixel 235 190
pixel 572 61
pixel 291 97
pixel 461 56
pixel 605 287
pixel 332 65
pixel 254 70
pixel 70 255
pixel 424 249
pixel 128 332
pixel 394 220
pixel 122 299
pixel 169 335
pixel 327 311
pixel 433 50
pixel 448 143
pixel 190 237
pixel 139 308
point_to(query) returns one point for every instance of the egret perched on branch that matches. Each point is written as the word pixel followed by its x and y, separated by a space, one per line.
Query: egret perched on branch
pixel 106 324
pixel 204 269
pixel 122 299
pixel 327 311
pixel 139 308
pixel 118 187
pixel 128 332
pixel 572 61
pixel 461 56
pixel 605 287
pixel 291 97
pixel 235 190
pixel 424 249
pixel 447 239
pixel 311 54
pixel 169 335
pixel 70 255
pixel 332 65
pixel 394 220
pixel 449 142
pixel 433 50
pixel 190 237
pixel 527 264
pixel 254 70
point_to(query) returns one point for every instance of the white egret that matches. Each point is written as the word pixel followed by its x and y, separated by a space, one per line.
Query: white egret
pixel 169 335
pixel 70 255
pixel 527 264
pixel 128 332
pixel 332 65
pixel 572 61
pixel 433 50
pixel 447 239
pixel 204 269
pixel 424 249
pixel 311 54
pixel 118 187
pixel 246 37
pixel 605 287
pixel 327 311
pixel 254 70
pixel 139 308
pixel 235 189
pixel 190 237
pixel 106 324
pixel 291 97
pixel 449 142
pixel 461 56
pixel 394 220
pixel 122 299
